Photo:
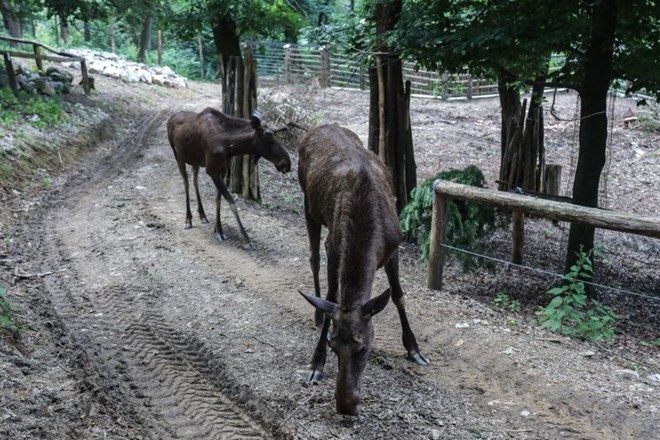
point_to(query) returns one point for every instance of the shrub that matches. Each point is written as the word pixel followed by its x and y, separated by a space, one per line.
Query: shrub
pixel 467 222
pixel 570 312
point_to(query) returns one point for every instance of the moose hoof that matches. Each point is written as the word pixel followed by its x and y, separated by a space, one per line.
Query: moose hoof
pixel 220 237
pixel 204 220
pixel 248 246
pixel 418 358
pixel 187 226
pixel 313 376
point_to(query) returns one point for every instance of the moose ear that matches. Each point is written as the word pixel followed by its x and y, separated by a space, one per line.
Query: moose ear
pixel 256 119
pixel 321 304
pixel 376 305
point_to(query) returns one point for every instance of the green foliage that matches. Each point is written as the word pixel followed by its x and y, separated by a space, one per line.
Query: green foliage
pixel 7 322
pixel 505 302
pixel 571 312
pixel 466 221
pixel 41 112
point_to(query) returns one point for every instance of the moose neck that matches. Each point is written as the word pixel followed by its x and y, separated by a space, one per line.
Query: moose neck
pixel 360 248
pixel 242 143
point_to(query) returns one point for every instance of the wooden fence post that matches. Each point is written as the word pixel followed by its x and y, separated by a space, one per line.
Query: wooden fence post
pixel 438 239
pixel 38 60
pixel 324 80
pixel 287 63
pixel 552 179
pixel 160 47
pixel 85 77
pixel 11 75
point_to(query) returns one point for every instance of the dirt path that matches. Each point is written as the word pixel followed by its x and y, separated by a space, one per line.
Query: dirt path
pixel 172 335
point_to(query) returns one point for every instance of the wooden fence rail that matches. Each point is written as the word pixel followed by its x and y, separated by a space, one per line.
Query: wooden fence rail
pixel 7 56
pixel 520 205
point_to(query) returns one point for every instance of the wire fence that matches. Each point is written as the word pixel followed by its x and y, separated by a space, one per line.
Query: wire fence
pixel 300 63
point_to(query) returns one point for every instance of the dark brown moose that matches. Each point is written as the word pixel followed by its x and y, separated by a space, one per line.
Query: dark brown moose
pixel 209 139
pixel 347 189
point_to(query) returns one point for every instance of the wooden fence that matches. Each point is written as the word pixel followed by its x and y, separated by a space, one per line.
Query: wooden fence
pixel 300 63
pixel 38 57
pixel 521 205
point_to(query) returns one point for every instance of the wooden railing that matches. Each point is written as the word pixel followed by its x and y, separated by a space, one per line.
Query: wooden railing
pixel 36 55
pixel 521 205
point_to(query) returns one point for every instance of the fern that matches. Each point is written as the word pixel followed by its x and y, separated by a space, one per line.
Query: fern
pixel 466 222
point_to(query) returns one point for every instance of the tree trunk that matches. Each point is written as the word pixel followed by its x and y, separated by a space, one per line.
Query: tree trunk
pixel 510 105
pixel 227 44
pixel 200 48
pixel 593 122
pixel 390 135
pixel 145 39
pixel 64 29
pixel 113 45
pixel 522 152
pixel 87 33
pixel 10 19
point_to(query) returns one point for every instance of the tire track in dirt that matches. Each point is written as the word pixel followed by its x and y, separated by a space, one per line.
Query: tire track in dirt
pixel 167 380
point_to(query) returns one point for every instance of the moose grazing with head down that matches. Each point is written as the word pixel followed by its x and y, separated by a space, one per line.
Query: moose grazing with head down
pixel 348 190
pixel 209 139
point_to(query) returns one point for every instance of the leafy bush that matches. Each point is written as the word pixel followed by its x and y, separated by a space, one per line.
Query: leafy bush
pixel 466 221
pixel 570 312
pixel 7 322
pixel 505 302
pixel 42 112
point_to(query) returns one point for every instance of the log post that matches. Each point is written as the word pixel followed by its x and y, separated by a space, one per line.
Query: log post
pixel 160 47
pixel 324 80
pixel 38 60
pixel 200 49
pixel 85 77
pixel 552 179
pixel 517 236
pixel 287 63
pixel 438 239
pixel 11 75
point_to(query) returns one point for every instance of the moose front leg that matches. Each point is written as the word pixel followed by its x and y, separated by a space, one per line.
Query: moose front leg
pixel 224 192
pixel 314 234
pixel 409 340
pixel 318 360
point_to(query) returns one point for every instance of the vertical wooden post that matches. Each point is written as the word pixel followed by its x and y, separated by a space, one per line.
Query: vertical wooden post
pixel 469 86
pixel 324 80
pixel 160 47
pixel 552 179
pixel 438 239
pixel 287 63
pixel 201 56
pixel 11 75
pixel 381 110
pixel 518 236
pixel 363 82
pixel 38 60
pixel 85 77
pixel 113 45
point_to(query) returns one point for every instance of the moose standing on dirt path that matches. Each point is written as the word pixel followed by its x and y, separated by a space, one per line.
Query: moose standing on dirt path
pixel 209 139
pixel 348 189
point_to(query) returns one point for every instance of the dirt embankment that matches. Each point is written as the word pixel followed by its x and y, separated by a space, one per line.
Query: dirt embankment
pixel 136 328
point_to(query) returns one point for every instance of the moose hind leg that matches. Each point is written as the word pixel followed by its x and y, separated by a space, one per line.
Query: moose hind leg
pixel 186 186
pixel 408 337
pixel 200 208
pixel 218 222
